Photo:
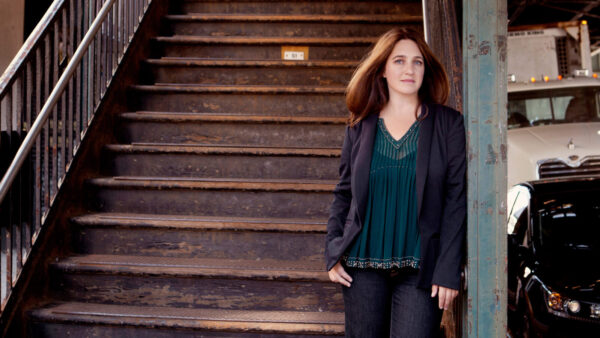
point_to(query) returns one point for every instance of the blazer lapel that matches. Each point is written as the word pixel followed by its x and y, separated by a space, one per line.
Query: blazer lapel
pixel 423 152
pixel 362 165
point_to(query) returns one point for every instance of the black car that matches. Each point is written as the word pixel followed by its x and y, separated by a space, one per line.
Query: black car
pixel 554 258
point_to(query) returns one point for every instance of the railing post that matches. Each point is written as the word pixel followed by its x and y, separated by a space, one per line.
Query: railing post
pixel 484 67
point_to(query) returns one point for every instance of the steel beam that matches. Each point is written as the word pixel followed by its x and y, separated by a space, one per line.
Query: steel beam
pixel 485 95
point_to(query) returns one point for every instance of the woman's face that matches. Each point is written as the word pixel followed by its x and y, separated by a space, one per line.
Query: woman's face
pixel 404 69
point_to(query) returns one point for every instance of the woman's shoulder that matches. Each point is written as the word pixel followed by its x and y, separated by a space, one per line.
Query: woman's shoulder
pixel 440 111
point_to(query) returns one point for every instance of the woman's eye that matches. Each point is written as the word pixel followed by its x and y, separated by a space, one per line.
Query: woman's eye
pixel 399 61
pixel 418 62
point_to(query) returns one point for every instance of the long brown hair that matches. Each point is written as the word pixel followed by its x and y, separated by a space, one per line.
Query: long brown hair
pixel 367 91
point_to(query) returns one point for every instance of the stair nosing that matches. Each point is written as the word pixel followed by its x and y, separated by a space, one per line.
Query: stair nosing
pixel 258 40
pixel 228 118
pixel 216 223
pixel 239 89
pixel 209 319
pixel 209 149
pixel 203 62
pixel 192 183
pixel 156 266
pixel 324 18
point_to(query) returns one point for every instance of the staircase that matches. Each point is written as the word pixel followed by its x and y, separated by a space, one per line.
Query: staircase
pixel 210 217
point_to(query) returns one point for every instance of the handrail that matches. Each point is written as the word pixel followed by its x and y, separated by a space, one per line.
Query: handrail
pixel 48 97
pixel 36 128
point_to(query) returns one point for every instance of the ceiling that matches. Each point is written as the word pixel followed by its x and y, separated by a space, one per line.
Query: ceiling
pixel 527 12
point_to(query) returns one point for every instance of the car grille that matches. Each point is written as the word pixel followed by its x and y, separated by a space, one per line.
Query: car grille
pixel 557 168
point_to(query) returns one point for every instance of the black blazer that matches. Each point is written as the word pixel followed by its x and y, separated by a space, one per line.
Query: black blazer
pixel 440 184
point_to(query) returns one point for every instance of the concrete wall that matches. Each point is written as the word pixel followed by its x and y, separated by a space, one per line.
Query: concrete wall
pixel 12 15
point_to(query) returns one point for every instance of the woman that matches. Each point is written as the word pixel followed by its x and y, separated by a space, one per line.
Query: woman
pixel 395 234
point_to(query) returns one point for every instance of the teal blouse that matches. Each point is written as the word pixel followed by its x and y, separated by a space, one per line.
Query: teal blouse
pixel 390 235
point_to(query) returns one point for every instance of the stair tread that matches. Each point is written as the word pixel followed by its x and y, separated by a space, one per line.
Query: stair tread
pixel 173 148
pixel 216 319
pixel 201 267
pixel 252 89
pixel 202 222
pixel 194 117
pixel 353 18
pixel 193 61
pixel 251 40
pixel 259 184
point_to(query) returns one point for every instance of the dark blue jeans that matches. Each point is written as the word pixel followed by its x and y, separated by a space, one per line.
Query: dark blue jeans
pixel 381 303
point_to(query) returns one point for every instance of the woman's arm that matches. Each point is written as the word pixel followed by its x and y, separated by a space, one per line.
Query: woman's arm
pixel 452 232
pixel 341 201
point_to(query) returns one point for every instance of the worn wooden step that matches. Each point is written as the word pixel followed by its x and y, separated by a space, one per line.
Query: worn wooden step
pixel 176 160
pixel 244 72
pixel 197 283
pixel 301 25
pixel 258 100
pixel 214 197
pixel 303 7
pixel 261 48
pixel 256 130
pixel 96 320
pixel 200 237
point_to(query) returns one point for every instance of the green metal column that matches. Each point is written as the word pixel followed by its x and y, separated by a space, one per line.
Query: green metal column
pixel 484 83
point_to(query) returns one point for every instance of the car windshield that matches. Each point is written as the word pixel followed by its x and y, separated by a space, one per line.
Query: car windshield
pixel 568 227
pixel 565 105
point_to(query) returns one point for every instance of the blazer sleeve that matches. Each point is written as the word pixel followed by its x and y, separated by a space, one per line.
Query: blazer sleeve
pixel 452 232
pixel 341 203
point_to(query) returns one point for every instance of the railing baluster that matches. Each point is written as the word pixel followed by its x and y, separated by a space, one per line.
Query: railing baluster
pixel 38 147
pixel 54 125
pixel 46 137
pixel 71 105
pixel 30 197
pixel 64 100
pixel 18 205
pixel 78 74
pixel 8 245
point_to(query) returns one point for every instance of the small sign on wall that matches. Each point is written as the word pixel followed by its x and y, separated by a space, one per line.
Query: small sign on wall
pixel 294 52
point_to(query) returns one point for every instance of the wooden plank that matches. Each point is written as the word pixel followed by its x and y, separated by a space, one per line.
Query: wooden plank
pixel 484 57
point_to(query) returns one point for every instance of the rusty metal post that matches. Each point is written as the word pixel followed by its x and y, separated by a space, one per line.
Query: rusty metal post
pixel 485 95
pixel 442 31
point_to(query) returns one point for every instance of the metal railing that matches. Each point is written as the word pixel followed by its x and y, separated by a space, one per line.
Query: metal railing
pixel 48 96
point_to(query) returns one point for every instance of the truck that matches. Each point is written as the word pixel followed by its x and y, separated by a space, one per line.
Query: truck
pixel 553 103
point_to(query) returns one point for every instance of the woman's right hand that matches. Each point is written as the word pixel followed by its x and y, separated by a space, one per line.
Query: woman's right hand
pixel 337 274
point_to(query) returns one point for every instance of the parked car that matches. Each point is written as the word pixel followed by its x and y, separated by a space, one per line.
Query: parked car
pixel 554 258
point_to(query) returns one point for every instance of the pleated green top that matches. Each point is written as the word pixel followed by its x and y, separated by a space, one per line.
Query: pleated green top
pixel 390 235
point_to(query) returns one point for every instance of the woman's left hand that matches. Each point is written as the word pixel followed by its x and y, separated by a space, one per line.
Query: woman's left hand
pixel 445 295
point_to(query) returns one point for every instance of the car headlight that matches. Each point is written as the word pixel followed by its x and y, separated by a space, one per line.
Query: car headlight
pixel 573 306
pixel 595 311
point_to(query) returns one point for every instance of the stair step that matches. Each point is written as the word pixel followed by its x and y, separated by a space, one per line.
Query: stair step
pixel 128 220
pixel 246 184
pixel 173 160
pixel 299 25
pixel 303 7
pixel 89 319
pixel 214 197
pixel 200 237
pixel 265 18
pixel 244 72
pixel 197 282
pixel 257 100
pixel 243 89
pixel 222 118
pixel 261 48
